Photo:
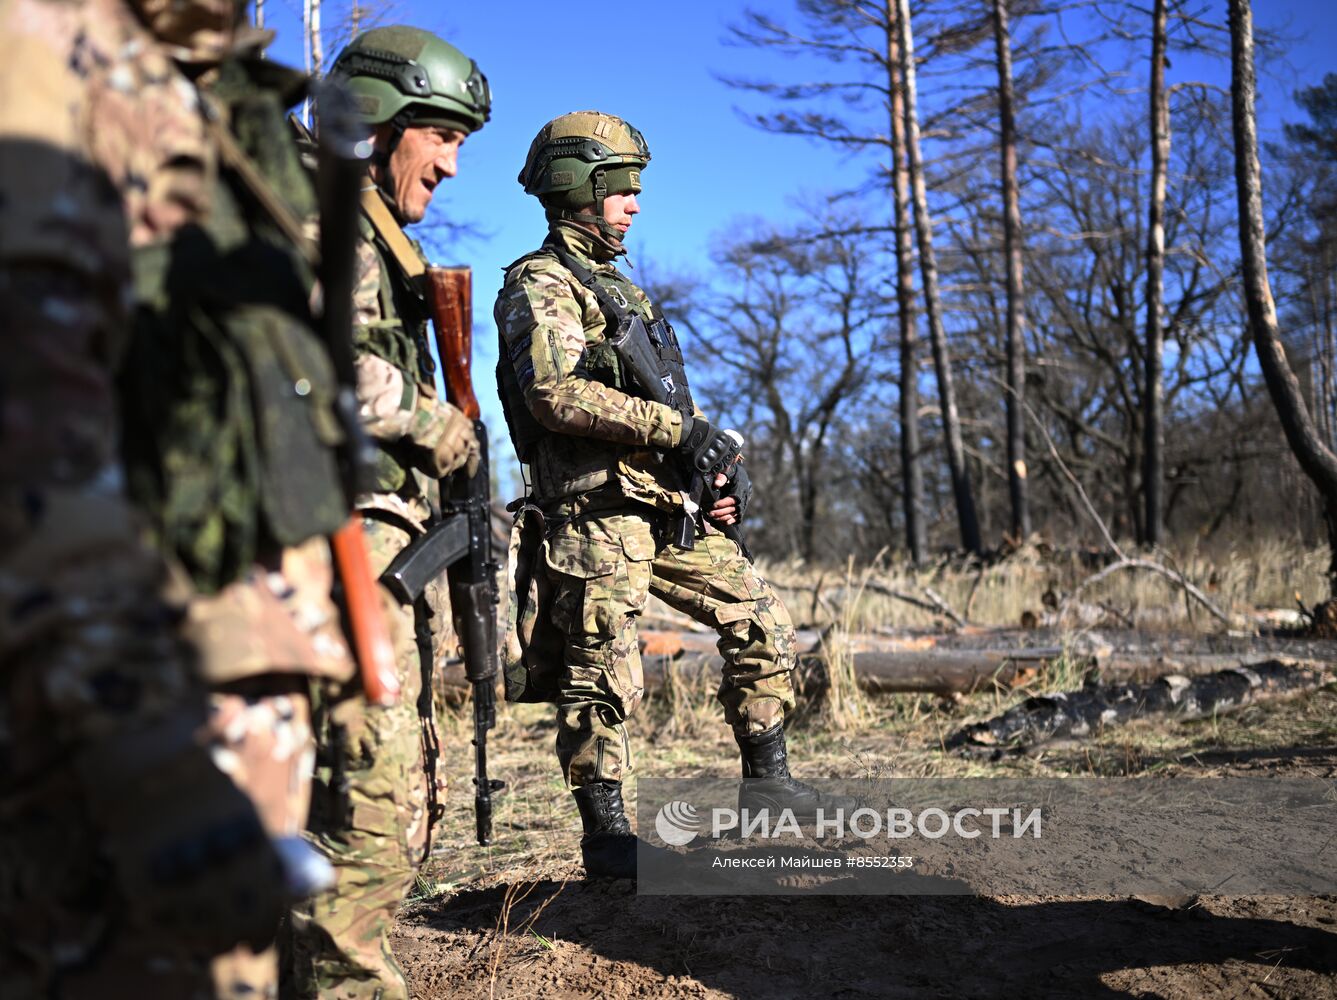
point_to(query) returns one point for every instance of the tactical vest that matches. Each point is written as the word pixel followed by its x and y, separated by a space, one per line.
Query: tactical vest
pixel 227 392
pixel 599 363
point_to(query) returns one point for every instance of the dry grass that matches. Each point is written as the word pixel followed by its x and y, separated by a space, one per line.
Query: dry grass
pixel 842 703
pixel 845 732
pixel 1264 574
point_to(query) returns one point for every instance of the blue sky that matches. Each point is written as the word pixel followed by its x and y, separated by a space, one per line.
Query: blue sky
pixel 655 64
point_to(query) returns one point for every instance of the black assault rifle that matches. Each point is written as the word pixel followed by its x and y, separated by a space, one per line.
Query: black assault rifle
pixel 632 343
pixel 461 543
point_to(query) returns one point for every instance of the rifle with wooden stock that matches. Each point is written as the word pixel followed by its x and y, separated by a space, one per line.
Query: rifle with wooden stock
pixel 460 544
pixel 468 499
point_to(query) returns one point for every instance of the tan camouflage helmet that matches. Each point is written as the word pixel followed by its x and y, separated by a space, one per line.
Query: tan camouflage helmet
pixel 194 31
pixel 581 157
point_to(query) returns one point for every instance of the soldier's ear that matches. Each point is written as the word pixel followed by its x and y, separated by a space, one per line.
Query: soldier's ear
pixel 380 138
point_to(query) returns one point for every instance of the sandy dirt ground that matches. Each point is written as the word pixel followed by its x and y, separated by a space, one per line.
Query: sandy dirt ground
pixel 519 920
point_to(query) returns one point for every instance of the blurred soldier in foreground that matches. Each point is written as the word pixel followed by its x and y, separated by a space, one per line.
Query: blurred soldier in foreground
pixel 633 492
pixel 377 785
pixel 126 857
pixel 231 439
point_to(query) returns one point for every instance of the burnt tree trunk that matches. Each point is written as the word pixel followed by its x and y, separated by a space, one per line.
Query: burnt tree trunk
pixel 911 470
pixel 1153 393
pixel 1315 457
pixel 1016 310
pixel 967 520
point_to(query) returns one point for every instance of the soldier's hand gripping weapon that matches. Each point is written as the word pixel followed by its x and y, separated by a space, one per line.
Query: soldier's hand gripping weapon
pixel 461 543
pixel 637 354
pixel 343 153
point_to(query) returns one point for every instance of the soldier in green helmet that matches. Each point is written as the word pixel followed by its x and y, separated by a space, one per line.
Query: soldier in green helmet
pixel 605 466
pixel 376 782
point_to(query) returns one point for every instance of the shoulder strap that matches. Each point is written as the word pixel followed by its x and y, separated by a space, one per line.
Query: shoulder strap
pixel 236 160
pixel 391 235
pixel 613 310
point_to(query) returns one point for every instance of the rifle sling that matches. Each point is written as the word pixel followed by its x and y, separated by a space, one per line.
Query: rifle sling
pixel 378 214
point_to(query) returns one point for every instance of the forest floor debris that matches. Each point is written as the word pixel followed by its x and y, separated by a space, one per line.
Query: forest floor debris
pixel 518 920
pixel 1095 707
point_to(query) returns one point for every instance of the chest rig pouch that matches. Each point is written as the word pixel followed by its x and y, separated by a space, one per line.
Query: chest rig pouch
pixel 618 312
pixel 229 427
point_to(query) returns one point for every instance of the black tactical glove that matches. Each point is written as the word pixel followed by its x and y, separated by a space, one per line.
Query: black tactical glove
pixel 707 447
pixel 739 487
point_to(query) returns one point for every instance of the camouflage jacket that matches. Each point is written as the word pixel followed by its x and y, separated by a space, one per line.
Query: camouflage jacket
pixel 101 144
pixel 396 378
pixel 105 162
pixel 556 367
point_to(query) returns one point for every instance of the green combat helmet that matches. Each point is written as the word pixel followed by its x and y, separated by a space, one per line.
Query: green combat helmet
pixel 579 159
pixel 407 76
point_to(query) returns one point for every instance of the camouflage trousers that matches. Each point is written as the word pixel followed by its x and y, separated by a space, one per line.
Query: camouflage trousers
pixel 376 788
pixel 80 608
pixel 262 740
pixel 260 641
pixel 602 566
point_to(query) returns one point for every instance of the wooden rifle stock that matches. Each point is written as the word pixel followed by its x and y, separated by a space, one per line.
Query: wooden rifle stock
pixel 342 155
pixel 366 616
pixel 450 292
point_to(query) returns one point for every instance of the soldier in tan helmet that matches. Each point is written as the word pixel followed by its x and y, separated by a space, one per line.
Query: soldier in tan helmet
pixel 607 521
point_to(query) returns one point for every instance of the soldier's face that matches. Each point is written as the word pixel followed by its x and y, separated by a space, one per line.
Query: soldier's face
pixel 425 156
pixel 619 209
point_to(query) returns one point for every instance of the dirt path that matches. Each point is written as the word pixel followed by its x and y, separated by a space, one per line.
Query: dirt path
pixel 601 940
pixel 519 921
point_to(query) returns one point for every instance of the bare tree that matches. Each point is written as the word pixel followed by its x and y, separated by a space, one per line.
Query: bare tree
pixel 1016 305
pixel 1315 457
pixel 911 469
pixel 963 493
pixel 1153 459
pixel 837 30
pixel 785 331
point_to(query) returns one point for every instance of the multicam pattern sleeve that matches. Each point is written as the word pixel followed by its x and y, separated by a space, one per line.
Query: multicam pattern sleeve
pixel 386 396
pixel 393 405
pixel 547 324
pixel 101 142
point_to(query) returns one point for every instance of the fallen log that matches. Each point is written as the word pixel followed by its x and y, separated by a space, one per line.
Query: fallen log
pixel 916 663
pixel 1095 707
pixel 940 671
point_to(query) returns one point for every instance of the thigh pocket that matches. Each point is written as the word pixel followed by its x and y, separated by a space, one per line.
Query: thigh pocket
pixel 736 620
pixel 598 590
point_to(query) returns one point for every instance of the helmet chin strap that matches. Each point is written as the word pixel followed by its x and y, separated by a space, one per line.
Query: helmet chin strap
pixel 588 225
pixel 380 158
pixel 606 235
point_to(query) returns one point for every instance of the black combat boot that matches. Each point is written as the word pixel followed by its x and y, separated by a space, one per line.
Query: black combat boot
pixel 767 783
pixel 608 847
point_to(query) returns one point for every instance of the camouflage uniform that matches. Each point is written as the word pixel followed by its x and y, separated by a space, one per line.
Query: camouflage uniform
pixel 100 768
pixel 603 491
pixel 377 780
pixel 377 783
